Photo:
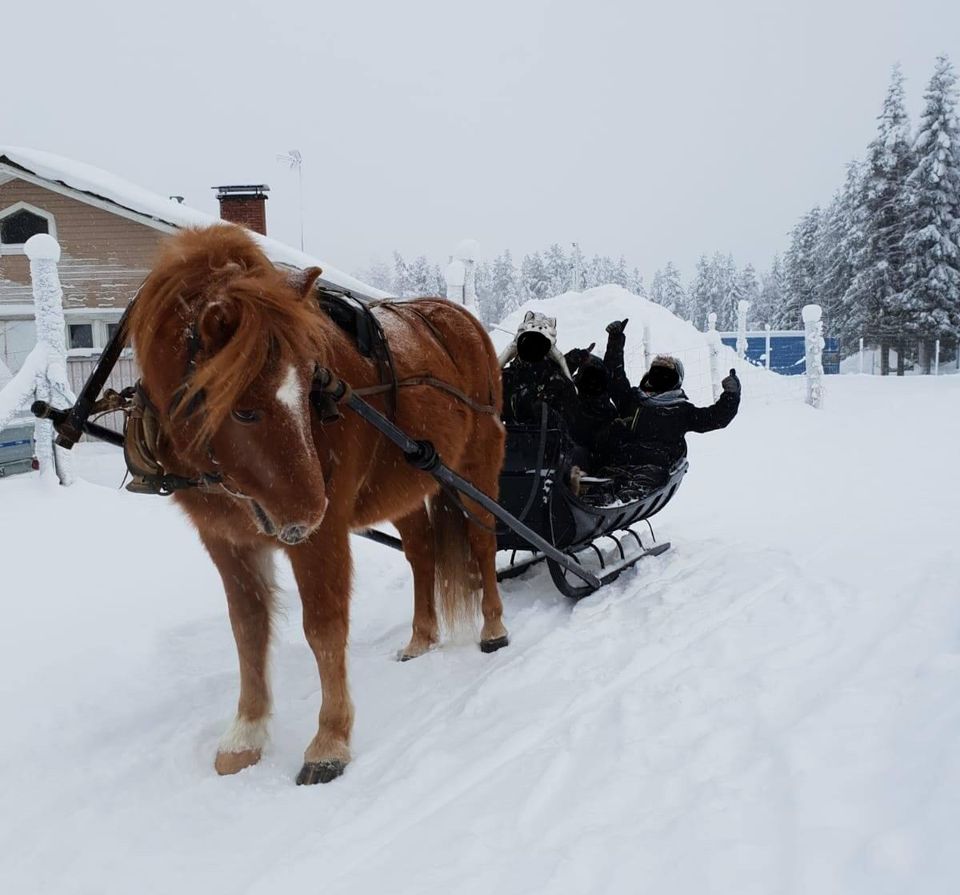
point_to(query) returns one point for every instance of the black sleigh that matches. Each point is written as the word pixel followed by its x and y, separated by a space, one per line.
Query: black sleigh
pixel 600 536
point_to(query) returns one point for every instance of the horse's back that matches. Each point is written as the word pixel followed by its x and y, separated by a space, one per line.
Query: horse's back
pixel 433 337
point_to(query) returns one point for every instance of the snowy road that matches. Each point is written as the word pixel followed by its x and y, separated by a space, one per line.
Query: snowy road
pixel 771 707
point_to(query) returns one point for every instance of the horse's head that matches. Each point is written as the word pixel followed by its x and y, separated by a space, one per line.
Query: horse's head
pixel 227 346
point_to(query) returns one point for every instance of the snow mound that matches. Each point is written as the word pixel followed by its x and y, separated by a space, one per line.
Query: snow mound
pixel 583 316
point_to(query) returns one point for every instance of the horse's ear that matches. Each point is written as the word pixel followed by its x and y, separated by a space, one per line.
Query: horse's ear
pixel 302 280
pixel 216 324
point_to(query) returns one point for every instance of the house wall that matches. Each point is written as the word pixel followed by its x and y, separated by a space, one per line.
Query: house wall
pixel 105 256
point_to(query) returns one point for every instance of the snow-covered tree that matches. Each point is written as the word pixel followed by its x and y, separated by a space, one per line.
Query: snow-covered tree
pixel 379 275
pixel 421 277
pixel 772 294
pixel 839 244
pixel 873 303
pixel 402 282
pixel 558 269
pixel 701 295
pixel 504 290
pixel 931 265
pixel 636 284
pixel 748 288
pixel 533 277
pixel 800 271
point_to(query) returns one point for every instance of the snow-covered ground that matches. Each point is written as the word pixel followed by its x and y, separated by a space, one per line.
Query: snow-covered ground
pixel 773 706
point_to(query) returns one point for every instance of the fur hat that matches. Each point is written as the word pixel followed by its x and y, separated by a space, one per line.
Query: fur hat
pixel 543 326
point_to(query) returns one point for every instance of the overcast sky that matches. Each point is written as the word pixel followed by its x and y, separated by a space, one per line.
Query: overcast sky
pixel 656 130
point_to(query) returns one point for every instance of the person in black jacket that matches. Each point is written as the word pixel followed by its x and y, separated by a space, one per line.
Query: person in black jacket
pixel 594 409
pixel 654 417
pixel 535 373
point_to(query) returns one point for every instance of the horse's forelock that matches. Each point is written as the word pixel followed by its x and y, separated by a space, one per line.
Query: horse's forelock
pixel 218 280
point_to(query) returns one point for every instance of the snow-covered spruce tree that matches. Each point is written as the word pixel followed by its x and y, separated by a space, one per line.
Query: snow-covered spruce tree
pixel 771 296
pixel 636 284
pixel 749 289
pixel 701 294
pixel 725 291
pixel 533 277
pixel 402 283
pixel 504 291
pixel 838 245
pixel 621 275
pixel 873 303
pixel 421 277
pixel 673 295
pixel 559 270
pixel 800 270
pixel 931 264
pixel 379 275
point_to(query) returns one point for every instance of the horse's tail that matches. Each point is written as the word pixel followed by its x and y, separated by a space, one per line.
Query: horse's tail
pixel 457 577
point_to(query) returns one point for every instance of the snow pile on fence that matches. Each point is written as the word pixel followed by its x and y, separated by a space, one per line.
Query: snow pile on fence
pixel 583 316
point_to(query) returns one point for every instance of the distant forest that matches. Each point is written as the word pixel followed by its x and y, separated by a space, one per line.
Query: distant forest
pixel 882 258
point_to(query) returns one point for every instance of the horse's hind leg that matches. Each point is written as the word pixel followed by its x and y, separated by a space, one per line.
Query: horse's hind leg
pixel 483 469
pixel 247 573
pixel 416 532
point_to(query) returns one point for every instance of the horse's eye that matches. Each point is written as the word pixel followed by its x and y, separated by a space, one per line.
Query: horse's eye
pixel 246 416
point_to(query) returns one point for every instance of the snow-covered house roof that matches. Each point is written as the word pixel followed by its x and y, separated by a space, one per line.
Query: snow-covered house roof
pixel 105 190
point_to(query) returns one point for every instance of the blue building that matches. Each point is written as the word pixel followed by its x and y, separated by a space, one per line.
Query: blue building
pixel 788 353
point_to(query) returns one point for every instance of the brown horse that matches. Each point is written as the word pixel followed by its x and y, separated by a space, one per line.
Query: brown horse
pixel 228 344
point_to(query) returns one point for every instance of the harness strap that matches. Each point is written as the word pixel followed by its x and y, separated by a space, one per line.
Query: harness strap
pixel 434 383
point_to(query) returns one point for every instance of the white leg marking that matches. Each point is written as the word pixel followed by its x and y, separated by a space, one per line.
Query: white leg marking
pixel 244 735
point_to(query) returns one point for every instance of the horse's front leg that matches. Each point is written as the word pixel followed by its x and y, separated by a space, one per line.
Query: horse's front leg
pixel 247 573
pixel 322 569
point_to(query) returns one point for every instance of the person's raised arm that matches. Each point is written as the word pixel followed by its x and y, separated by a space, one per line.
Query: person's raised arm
pixel 718 415
pixel 617 380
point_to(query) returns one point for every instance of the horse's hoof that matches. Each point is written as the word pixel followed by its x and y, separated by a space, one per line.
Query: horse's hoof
pixel 491 646
pixel 227 763
pixel 320 772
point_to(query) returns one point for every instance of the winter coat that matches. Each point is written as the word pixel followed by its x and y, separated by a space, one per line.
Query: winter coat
pixel 651 428
pixel 526 385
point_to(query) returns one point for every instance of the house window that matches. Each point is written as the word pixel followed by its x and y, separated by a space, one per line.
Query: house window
pixel 20 226
pixel 81 335
pixel 21 221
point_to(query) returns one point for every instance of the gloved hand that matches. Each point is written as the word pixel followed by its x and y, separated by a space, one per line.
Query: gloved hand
pixel 731 383
pixel 576 357
pixel 616 327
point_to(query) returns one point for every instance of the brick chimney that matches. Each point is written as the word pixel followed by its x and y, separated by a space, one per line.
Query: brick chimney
pixel 244 204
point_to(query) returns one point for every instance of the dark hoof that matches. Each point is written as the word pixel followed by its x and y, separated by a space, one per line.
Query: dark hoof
pixel 491 646
pixel 319 772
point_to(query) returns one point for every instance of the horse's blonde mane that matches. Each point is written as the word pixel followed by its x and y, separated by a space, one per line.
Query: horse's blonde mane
pixel 218 283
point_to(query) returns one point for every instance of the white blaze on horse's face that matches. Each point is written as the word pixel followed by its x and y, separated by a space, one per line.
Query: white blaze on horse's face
pixel 290 396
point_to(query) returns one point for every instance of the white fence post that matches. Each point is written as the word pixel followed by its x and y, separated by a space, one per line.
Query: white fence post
pixel 742 307
pixel 767 346
pixel 468 252
pixel 936 358
pixel 52 383
pixel 647 353
pixel 455 275
pixel 813 337
pixel 713 340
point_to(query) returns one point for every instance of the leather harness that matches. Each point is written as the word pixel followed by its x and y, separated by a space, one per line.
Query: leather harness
pixel 328 391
